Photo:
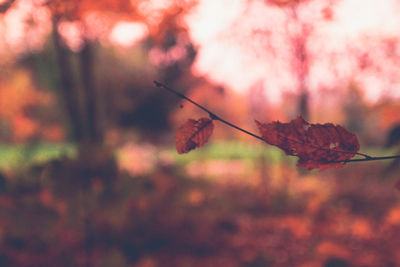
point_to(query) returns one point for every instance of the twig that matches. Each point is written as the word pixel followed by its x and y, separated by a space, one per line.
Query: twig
pixel 368 159
pixel 213 116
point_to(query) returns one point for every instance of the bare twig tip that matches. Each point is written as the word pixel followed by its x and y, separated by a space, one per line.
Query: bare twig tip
pixel 158 84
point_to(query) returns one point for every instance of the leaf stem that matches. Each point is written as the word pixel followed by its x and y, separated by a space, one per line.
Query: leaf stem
pixel 213 116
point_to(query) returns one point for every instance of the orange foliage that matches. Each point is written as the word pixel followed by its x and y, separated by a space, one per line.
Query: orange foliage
pixel 298 226
pixel 73 10
pixel 389 113
pixel 54 133
pixel 159 17
pixel 329 249
pixel 393 216
pixel 17 95
pixel 17 91
pixel 361 228
pixel 23 127
pixel 195 197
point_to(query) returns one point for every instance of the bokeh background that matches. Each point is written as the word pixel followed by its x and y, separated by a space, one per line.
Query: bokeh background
pixel 89 175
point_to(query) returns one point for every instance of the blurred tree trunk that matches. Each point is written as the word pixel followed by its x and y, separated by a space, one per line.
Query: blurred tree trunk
pixel 90 94
pixel 69 93
pixel 5 5
pixel 81 107
pixel 303 105
pixel 302 68
pixel 300 61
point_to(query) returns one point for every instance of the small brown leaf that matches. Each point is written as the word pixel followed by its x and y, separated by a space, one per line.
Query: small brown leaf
pixel 316 145
pixel 193 134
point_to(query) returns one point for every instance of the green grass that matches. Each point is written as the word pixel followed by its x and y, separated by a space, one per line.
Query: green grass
pixel 19 156
pixel 233 150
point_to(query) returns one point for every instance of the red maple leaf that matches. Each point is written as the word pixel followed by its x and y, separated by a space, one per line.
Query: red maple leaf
pixel 317 145
pixel 193 134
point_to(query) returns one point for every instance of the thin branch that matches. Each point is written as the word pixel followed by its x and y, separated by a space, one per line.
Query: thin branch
pixel 367 159
pixel 213 116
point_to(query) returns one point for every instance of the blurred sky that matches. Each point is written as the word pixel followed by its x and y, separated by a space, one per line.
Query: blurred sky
pixel 244 43
pixel 241 44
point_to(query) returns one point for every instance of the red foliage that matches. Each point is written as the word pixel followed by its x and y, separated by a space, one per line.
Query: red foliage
pixel 317 145
pixel 72 11
pixel 193 134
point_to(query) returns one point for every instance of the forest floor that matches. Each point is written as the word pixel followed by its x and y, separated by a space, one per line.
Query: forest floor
pixel 229 204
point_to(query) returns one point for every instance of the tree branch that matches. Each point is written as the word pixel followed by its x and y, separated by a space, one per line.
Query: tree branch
pixel 367 159
pixel 213 116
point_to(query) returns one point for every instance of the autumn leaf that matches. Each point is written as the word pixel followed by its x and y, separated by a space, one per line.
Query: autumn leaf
pixel 317 145
pixel 193 134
